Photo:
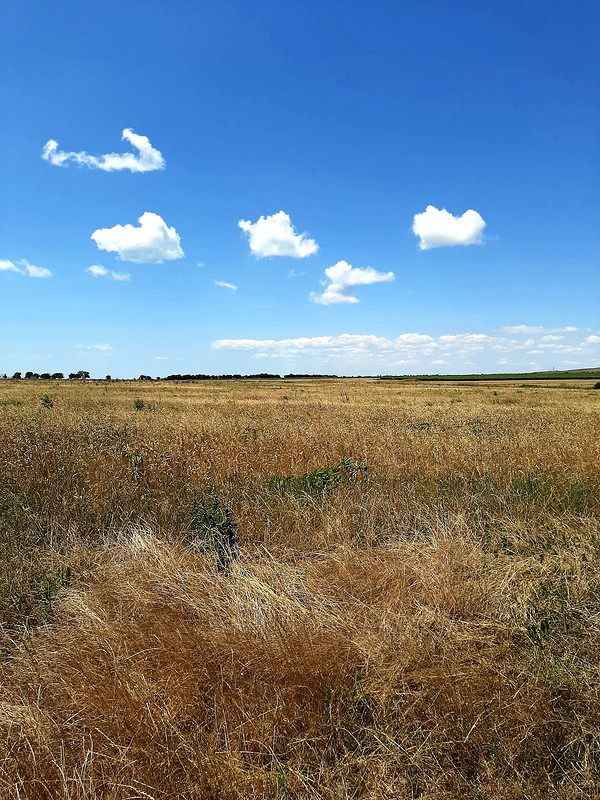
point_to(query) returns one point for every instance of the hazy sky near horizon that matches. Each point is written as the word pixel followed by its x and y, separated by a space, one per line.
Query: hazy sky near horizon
pixel 314 186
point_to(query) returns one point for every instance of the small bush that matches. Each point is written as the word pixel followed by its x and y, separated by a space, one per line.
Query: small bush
pixel 216 529
pixel 597 385
pixel 138 404
pixel 47 401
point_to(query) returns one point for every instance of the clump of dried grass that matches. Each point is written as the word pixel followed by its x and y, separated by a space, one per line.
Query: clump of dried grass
pixel 398 672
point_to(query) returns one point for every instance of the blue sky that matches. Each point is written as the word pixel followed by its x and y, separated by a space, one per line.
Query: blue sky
pixel 370 187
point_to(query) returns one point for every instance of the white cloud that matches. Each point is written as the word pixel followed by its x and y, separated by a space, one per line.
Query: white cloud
pixel 463 342
pixel 438 228
pixel 147 159
pixel 529 329
pixel 152 242
pixel 342 278
pixel 561 348
pixel 27 269
pixel 36 272
pixel 412 352
pixel 551 338
pixel 405 349
pixel 102 347
pixel 225 285
pixel 98 271
pixel 160 358
pixel 276 236
pixel 8 266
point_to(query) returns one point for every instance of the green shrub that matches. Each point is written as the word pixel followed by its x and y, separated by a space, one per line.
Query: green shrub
pixel 323 479
pixel 215 529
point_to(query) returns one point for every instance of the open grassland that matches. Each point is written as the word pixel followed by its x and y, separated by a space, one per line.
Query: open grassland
pixel 414 613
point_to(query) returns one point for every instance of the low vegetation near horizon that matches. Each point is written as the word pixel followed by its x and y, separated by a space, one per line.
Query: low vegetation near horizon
pixel 321 589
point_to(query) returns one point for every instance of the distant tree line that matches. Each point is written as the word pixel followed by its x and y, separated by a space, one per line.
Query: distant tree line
pixel 259 376
pixel 234 377
pixel 82 375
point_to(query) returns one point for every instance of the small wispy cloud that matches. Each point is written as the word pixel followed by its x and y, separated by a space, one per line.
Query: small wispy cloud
pixel 98 271
pixel 29 270
pixel 439 228
pixel 147 158
pixel 532 329
pixel 276 236
pixel 342 279
pixel 151 242
pixel 101 347
pixel 225 285
pixel 160 358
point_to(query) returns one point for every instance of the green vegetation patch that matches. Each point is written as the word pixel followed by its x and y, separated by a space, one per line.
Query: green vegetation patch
pixel 323 479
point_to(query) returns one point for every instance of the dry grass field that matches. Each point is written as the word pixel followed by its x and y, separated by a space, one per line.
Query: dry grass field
pixel 414 610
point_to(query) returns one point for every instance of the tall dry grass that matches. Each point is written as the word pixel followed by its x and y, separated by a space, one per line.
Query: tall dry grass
pixel 425 627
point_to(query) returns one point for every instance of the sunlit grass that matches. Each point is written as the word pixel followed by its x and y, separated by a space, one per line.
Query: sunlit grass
pixel 414 611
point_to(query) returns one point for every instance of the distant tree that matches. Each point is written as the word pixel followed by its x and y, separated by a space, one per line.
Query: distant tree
pixel 144 378
pixel 28 376
pixel 82 375
pixel 108 378
pixel 57 376
pixel 45 376
pixel 16 376
pixel 4 376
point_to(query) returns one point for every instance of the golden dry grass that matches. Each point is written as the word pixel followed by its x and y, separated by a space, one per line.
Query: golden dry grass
pixel 424 628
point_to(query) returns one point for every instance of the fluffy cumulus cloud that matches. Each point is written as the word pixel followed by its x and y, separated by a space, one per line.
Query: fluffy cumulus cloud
pixel 439 228
pixel 147 158
pixel 417 352
pixel 341 280
pixel 404 349
pixel 29 270
pixel 276 236
pixel 98 271
pixel 224 285
pixel 152 242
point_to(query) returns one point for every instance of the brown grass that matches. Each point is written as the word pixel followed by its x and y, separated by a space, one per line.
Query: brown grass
pixel 424 628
